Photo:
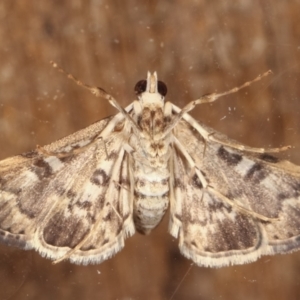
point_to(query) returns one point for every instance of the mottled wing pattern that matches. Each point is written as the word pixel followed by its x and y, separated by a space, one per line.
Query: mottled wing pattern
pixel 214 231
pixel 72 195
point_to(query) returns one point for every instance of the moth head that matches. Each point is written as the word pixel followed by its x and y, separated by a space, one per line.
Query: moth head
pixel 151 90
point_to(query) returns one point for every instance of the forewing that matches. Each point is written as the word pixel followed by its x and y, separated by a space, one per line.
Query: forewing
pixel 216 233
pixel 72 191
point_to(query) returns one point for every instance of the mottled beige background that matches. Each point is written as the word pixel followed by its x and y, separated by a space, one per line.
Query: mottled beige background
pixel 196 47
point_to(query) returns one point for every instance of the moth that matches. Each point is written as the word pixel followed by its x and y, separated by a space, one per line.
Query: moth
pixel 80 197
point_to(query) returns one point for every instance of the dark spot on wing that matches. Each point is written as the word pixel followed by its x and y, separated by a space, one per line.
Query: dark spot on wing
pixel 112 155
pixel 107 217
pixel 178 183
pixel 41 168
pixel 30 154
pixel 30 213
pixel 100 201
pixel 71 194
pixel 215 205
pixel 196 182
pixel 85 204
pixel 232 159
pixel 256 173
pixel 76 146
pixel 100 178
pixel 284 195
pixel 269 158
pixel 67 158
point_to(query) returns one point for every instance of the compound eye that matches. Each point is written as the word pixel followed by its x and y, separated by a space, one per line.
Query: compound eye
pixel 162 88
pixel 140 87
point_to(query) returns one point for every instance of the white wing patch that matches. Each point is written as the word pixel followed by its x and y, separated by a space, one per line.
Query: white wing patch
pixel 54 163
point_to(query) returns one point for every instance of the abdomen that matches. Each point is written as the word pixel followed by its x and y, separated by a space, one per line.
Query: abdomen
pixel 151 200
pixel 149 211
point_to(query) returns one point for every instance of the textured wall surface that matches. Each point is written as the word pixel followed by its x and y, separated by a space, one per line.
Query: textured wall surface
pixel 197 47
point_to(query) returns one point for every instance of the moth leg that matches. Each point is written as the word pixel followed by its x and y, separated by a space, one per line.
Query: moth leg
pixel 210 189
pixel 74 151
pixel 99 92
pixel 209 136
pixel 247 148
pixel 208 99
pixel 69 149
pixel 115 211
pixel 131 180
pixel 175 192
pixel 120 185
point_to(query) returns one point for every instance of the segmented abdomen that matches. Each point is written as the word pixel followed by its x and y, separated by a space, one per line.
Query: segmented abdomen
pixel 151 200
